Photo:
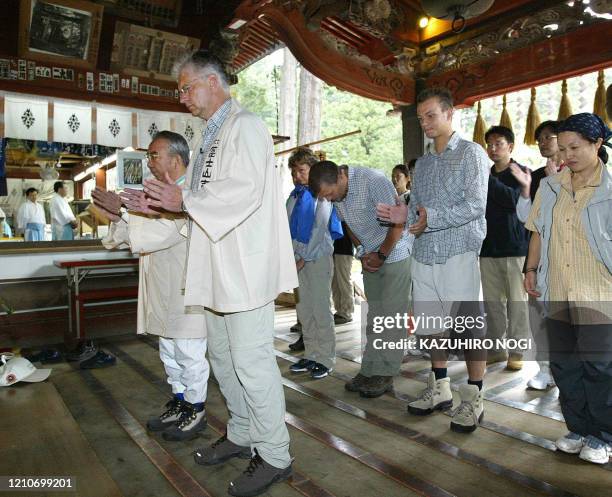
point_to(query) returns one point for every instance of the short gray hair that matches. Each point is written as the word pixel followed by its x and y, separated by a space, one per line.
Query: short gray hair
pixel 177 145
pixel 205 62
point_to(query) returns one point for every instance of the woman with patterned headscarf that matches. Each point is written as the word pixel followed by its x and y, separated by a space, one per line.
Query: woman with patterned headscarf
pixel 569 268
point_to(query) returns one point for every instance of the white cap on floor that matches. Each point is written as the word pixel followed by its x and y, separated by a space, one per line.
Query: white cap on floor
pixel 14 369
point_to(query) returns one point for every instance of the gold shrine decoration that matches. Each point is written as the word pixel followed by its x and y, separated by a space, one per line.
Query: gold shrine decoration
pixel 480 127
pixel 504 119
pixel 324 140
pixel 599 105
pixel 565 106
pixel 533 120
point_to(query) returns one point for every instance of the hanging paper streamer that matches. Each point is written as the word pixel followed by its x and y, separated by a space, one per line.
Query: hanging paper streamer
pixel 480 128
pixel 533 120
pixel 149 124
pixel 26 118
pixel 114 127
pixel 72 123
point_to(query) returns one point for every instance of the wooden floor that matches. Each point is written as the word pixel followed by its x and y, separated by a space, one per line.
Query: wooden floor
pixel 90 425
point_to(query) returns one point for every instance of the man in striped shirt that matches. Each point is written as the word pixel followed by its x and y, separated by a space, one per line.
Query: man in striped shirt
pixel 447 216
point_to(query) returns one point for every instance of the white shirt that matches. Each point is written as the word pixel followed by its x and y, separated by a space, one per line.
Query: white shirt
pixel 61 213
pixel 30 212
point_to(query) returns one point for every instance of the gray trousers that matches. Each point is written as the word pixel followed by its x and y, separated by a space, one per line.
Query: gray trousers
pixel 241 354
pixel 388 294
pixel 342 286
pixel 314 312
pixel 505 299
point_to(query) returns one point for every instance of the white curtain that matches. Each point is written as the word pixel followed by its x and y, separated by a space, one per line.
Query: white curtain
pixel 72 123
pixel 149 124
pixel 190 127
pixel 114 127
pixel 26 118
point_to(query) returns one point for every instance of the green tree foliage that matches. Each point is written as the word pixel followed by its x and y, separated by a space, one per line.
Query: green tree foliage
pixel 379 145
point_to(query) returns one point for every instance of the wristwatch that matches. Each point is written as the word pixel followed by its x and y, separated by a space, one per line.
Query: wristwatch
pixel 381 256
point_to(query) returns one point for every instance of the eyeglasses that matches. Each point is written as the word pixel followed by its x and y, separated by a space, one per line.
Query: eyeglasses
pixel 186 88
pixel 152 155
pixel 546 138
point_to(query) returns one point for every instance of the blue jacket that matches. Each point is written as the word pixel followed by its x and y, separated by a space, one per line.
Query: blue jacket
pixel 596 220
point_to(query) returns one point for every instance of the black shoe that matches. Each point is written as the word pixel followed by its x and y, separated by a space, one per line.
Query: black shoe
pixel 302 366
pixel 46 356
pixel 100 360
pixel 189 424
pixel 320 371
pixel 220 451
pixel 298 345
pixel 166 418
pixel 258 477
pixel 338 319
pixel 85 350
pixel 296 328
pixel 376 386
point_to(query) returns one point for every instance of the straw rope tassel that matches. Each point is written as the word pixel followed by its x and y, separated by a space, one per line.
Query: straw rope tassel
pixel 565 107
pixel 505 120
pixel 533 120
pixel 480 128
pixel 599 106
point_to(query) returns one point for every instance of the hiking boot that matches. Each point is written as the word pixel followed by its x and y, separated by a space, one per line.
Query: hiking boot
pixel 338 319
pixel 572 443
pixel 166 418
pixel 515 362
pixel 543 380
pixel 356 383
pixel 376 386
pixel 595 451
pixel 319 371
pixel 220 451
pixel 302 366
pixel 257 478
pixel 470 412
pixel 437 396
pixel 494 356
pixel 298 345
pixel 192 420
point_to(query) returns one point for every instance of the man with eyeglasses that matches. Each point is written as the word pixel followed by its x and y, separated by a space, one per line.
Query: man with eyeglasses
pixel 161 307
pixel 546 136
pixel 240 258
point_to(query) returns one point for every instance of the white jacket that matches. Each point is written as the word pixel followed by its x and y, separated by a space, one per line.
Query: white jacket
pixel 240 253
pixel 162 249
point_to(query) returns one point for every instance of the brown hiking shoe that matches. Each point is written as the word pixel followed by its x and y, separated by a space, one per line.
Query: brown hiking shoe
pixel 220 451
pixel 257 478
pixel 356 383
pixel 376 386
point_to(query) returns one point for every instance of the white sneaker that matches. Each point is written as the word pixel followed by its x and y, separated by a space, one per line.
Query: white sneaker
pixel 470 412
pixel 543 380
pixel 595 451
pixel 571 443
pixel 437 396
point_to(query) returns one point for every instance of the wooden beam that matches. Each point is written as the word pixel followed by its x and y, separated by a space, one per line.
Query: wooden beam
pixel 578 52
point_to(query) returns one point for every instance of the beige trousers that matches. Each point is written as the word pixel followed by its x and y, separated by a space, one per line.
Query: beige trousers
pixel 314 312
pixel 342 286
pixel 504 297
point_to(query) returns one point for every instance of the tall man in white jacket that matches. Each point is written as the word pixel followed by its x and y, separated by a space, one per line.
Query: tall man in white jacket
pixel 161 306
pixel 62 217
pixel 240 259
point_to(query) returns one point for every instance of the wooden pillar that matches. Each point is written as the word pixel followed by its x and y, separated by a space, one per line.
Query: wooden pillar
pixel 412 136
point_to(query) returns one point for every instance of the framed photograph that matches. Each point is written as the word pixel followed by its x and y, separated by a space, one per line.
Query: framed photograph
pixel 132 169
pixel 62 31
